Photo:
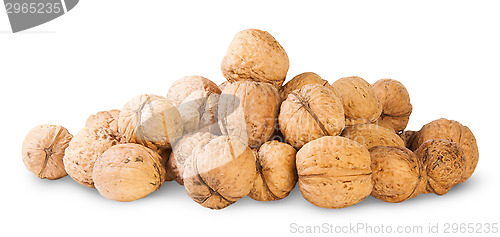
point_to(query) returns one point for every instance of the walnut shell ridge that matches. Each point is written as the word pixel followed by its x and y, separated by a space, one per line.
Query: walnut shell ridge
pixel 199 112
pixel 396 106
pixel 300 81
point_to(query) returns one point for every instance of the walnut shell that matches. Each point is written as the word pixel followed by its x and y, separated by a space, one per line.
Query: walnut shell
pixel 361 104
pixel 397 174
pixel 219 173
pixel 396 106
pixel 371 135
pixel 43 150
pixel 164 158
pixel 183 87
pixel 128 172
pixel 310 113
pixel 99 134
pixel 334 172
pixel 444 163
pixel 182 149
pixel 408 137
pixel 452 131
pixel 199 112
pixel 301 80
pixel 255 55
pixel 276 172
pixel 150 120
pixel 248 110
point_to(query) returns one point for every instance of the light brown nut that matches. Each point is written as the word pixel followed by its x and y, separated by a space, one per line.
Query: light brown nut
pixel 127 172
pixel 219 173
pixel 361 104
pixel 199 112
pixel 182 149
pixel 249 110
pixel 255 55
pixel 397 174
pixel 43 150
pixel 183 87
pixel 150 120
pixel 276 172
pixel 334 172
pixel 301 80
pixel 408 137
pixel 99 134
pixel 310 113
pixel 444 164
pixel 452 131
pixel 222 85
pixel 396 106
pixel 371 135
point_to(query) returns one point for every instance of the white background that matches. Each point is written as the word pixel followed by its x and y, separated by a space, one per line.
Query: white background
pixel 103 53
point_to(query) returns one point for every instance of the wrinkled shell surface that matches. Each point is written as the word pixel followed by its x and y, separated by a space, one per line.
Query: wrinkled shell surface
pixel 300 81
pixel 361 104
pixel 150 120
pixel 397 174
pixel 408 137
pixel 164 157
pixel 444 164
pixel 183 87
pixel 248 110
pixel 99 134
pixel 310 113
pixel 334 172
pixel 199 112
pixel 276 172
pixel 396 106
pixel 43 150
pixel 452 131
pixel 371 135
pixel 181 151
pixel 128 172
pixel 255 55
pixel 220 173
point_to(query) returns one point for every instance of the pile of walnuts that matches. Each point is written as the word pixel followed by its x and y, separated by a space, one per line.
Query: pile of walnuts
pixel 253 136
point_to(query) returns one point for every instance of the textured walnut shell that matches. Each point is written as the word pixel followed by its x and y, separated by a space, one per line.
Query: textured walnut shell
pixel 99 134
pixel 150 120
pixel 43 150
pixel 444 163
pixel 452 131
pixel 361 104
pixel 371 135
pixel 164 158
pixel 183 87
pixel 408 137
pixel 301 80
pixel 222 85
pixel 199 112
pixel 276 172
pixel 248 110
pixel 128 172
pixel 255 55
pixel 219 173
pixel 310 113
pixel 396 106
pixel 334 172
pixel 397 174
pixel 181 151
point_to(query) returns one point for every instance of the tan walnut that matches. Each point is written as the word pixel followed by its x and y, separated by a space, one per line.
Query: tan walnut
pixel 371 135
pixel 183 87
pixel 396 106
pixel 300 81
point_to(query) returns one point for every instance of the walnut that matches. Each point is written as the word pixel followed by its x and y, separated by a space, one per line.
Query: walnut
pixel 361 104
pixel 99 134
pixel 164 158
pixel 199 112
pixel 127 172
pixel 248 110
pixel 150 120
pixel 334 172
pixel 452 131
pixel 310 113
pixel 408 137
pixel 276 172
pixel 397 174
pixel 255 55
pixel 221 172
pixel 43 150
pixel 301 80
pixel 183 87
pixel 444 163
pixel 372 135
pixel 396 106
